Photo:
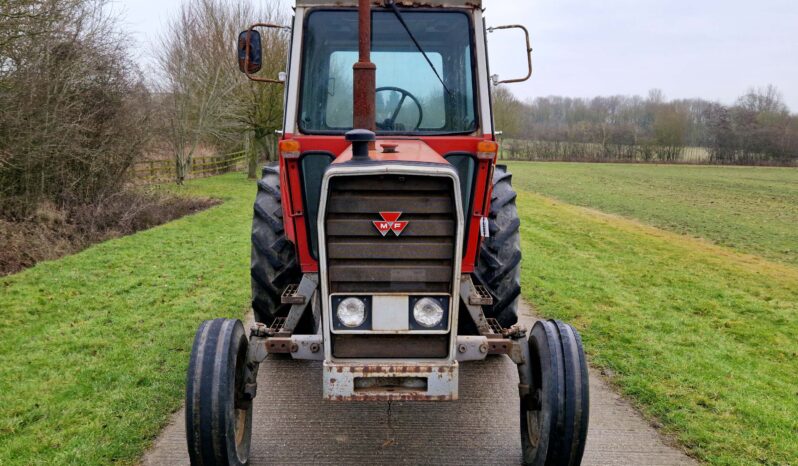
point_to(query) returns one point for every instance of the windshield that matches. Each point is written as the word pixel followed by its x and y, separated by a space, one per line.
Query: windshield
pixel 410 97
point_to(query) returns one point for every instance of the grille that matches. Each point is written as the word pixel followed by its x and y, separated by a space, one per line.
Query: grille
pixel 421 259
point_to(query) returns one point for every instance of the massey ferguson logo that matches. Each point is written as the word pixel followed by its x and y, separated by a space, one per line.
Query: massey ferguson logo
pixel 390 223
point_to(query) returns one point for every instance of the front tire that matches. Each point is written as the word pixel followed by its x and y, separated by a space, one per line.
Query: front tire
pixel 555 413
pixel 218 412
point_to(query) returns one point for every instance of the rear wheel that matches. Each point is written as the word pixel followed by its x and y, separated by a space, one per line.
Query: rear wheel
pixel 274 264
pixel 499 265
pixel 554 415
pixel 218 411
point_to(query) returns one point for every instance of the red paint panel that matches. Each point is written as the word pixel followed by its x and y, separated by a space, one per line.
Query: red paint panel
pixel 425 150
pixel 405 150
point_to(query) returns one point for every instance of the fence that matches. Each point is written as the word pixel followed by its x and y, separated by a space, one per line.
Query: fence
pixel 158 171
pixel 517 149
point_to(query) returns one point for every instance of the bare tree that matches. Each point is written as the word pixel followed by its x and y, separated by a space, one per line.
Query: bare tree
pixel 507 112
pixel 670 132
pixel 73 119
pixel 207 99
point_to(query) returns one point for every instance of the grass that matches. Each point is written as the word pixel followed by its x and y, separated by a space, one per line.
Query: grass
pixel 94 347
pixel 701 337
pixel 753 210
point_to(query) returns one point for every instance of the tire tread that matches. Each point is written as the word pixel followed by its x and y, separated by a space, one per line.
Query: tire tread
pixel 273 264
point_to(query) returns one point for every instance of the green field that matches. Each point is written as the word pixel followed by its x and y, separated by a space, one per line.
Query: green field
pixel 753 210
pixel 702 337
pixel 94 347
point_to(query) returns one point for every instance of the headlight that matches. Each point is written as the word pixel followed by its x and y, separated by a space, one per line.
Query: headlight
pixel 428 312
pixel 352 312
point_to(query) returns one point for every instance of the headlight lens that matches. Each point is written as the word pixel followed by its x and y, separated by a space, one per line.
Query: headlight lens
pixel 352 312
pixel 428 312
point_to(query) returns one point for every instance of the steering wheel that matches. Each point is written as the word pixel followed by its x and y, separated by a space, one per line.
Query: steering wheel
pixel 389 124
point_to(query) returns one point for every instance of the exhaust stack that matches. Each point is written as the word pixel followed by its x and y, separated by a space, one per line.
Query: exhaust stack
pixel 365 74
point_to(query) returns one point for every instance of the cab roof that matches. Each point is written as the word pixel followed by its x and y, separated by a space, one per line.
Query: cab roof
pixel 405 3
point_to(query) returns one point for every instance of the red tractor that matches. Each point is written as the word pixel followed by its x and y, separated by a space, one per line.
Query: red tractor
pixel 386 241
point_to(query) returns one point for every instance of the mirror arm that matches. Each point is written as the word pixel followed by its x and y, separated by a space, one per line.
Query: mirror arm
pixel 496 82
pixel 251 76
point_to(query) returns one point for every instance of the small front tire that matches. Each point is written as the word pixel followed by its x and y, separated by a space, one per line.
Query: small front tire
pixel 555 412
pixel 218 412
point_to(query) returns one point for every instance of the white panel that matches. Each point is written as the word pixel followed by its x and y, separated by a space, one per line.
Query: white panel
pixel 294 71
pixel 425 3
pixel 390 313
pixel 482 73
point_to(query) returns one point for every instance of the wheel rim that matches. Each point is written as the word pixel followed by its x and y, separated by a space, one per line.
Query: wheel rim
pixel 534 416
pixel 241 427
pixel 533 427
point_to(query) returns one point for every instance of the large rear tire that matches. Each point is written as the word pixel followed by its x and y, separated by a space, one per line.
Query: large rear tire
pixel 499 265
pixel 274 265
pixel 554 415
pixel 218 411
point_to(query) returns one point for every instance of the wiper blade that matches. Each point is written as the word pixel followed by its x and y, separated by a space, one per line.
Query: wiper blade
pixel 392 5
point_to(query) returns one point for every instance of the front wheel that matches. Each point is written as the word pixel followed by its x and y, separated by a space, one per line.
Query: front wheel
pixel 218 412
pixel 556 407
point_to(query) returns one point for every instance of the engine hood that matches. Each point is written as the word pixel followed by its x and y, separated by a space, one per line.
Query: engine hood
pixel 406 150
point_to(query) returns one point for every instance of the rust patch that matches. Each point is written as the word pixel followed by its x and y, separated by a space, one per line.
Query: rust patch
pixel 384 397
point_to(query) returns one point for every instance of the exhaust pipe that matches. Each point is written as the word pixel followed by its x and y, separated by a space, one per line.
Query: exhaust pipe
pixel 365 83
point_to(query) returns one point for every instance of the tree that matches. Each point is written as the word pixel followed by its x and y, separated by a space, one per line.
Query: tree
pixel 507 111
pixel 73 118
pixel 208 100
pixel 670 132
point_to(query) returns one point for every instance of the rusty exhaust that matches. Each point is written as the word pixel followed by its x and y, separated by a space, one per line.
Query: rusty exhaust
pixel 365 76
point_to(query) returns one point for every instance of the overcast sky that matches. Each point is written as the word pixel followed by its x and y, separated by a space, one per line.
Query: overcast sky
pixel 714 49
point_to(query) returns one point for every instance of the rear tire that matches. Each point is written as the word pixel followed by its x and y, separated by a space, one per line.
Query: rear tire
pixel 274 265
pixel 218 412
pixel 554 416
pixel 499 265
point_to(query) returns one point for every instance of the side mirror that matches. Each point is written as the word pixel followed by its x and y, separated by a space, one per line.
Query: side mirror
pixel 250 52
pixel 495 78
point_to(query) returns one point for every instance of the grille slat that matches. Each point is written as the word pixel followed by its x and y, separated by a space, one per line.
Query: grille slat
pixel 362 260
pixel 359 249
pixel 391 273
pixel 364 227
pixel 347 203
pixel 395 183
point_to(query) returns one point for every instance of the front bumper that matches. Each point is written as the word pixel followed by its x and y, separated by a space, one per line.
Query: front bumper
pixel 391 382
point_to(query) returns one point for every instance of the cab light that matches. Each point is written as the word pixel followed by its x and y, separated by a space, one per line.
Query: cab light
pixel 487 150
pixel 290 149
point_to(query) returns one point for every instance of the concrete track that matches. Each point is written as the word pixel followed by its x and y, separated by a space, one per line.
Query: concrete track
pixel 292 425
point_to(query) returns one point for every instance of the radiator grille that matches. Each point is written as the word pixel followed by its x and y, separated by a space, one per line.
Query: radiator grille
pixel 361 260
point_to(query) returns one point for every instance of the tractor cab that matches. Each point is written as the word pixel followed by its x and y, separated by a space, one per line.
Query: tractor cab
pixel 438 98
pixel 386 240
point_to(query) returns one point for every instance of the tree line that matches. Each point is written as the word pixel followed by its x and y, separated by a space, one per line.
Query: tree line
pixel 77 110
pixel 757 129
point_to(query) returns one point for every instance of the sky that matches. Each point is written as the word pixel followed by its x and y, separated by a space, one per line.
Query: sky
pixel 713 49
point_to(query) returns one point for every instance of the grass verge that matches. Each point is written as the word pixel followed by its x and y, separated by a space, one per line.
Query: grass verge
pixel 753 210
pixel 701 337
pixel 94 347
